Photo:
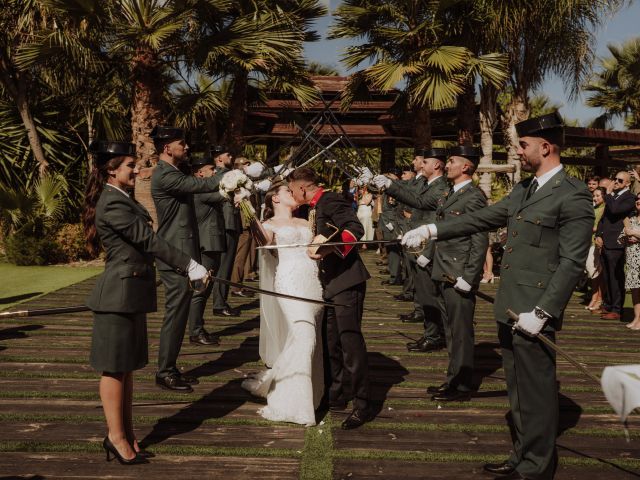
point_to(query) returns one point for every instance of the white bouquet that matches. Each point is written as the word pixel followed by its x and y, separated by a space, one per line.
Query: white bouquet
pixel 232 182
pixel 235 184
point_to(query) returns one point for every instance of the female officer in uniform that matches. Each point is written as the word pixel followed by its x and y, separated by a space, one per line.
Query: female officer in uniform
pixel 126 291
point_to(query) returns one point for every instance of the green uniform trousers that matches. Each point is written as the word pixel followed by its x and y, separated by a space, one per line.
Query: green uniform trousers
pixel 534 403
pixel 457 309
pixel 177 302
pixel 221 290
pixel 210 261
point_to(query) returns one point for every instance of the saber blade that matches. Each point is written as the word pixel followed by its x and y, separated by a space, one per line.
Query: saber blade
pixel 44 311
pixel 329 244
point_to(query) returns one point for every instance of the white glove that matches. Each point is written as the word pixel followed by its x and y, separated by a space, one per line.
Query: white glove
pixel 196 271
pixel 365 176
pixel 413 238
pixel 389 226
pixel 263 185
pixel 254 170
pixel 530 323
pixel 278 168
pixel 240 195
pixel 381 181
pixel 422 261
pixel 462 285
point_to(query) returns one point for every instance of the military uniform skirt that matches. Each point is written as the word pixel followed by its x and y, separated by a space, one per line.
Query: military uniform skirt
pixel 119 342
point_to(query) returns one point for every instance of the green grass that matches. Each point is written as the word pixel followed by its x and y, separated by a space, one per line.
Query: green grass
pixel 20 284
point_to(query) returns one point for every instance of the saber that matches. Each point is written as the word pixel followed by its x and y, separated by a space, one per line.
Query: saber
pixel 212 278
pixel 477 293
pixel 556 348
pixel 329 244
pixel 44 311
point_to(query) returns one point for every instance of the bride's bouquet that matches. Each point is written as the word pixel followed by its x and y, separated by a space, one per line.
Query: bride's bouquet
pixel 236 184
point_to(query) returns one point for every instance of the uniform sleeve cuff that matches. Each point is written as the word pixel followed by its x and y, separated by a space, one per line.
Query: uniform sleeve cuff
pixel 347 236
pixel 433 231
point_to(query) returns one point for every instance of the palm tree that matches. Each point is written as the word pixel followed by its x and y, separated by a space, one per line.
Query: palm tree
pixel 407 43
pixel 259 42
pixel 616 86
pixel 321 69
pixel 561 43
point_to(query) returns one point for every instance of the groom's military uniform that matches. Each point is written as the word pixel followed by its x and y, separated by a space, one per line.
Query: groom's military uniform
pixel 548 237
pixel 344 282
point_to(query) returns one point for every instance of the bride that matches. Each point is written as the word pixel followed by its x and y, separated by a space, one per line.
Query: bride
pixel 289 329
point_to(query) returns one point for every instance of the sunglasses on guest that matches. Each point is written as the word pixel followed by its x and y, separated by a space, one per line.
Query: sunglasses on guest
pixel 619 180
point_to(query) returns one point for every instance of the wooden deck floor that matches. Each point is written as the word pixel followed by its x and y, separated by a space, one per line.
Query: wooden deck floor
pixel 52 425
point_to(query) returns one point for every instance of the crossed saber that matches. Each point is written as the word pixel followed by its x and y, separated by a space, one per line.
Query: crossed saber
pixel 546 341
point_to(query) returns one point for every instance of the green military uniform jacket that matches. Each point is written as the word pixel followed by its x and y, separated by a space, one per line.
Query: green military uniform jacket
pixel 128 283
pixel 389 215
pixel 548 240
pixel 462 256
pixel 423 198
pixel 208 208
pixel 231 213
pixel 171 191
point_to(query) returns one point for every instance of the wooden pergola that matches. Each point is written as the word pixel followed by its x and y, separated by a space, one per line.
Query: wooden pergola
pixel 372 124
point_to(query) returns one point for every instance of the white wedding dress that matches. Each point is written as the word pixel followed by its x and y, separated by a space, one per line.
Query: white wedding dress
pixel 290 333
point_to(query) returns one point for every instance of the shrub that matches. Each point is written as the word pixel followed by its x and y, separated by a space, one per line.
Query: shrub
pixel 25 250
pixel 72 242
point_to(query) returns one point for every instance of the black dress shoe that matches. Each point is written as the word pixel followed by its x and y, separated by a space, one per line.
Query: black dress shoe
pixel 451 395
pixel 227 312
pixel 242 293
pixel 411 318
pixel 204 338
pixel 504 468
pixel 433 389
pixel 380 263
pixel 403 298
pixel 357 418
pixel 189 379
pixel 428 345
pixel 515 475
pixel 173 383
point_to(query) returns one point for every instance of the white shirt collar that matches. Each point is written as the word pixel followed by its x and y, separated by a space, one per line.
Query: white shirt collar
pixel 544 178
pixel 458 186
pixel 620 192
pixel 119 189
pixel 418 175
pixel 429 182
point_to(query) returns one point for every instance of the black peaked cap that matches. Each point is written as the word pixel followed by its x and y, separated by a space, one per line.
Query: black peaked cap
pixel 105 150
pixel 466 151
pixel 161 132
pixel 218 150
pixel 533 126
pixel 200 159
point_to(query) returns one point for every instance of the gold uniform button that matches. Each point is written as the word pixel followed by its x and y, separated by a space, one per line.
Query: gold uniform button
pixel 506 266
pixel 519 217
pixel 538 222
pixel 540 284
pixel 514 234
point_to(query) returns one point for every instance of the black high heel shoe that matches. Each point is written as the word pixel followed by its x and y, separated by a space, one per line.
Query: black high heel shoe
pixel 110 449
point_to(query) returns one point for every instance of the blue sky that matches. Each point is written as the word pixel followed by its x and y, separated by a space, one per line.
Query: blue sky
pixel 621 27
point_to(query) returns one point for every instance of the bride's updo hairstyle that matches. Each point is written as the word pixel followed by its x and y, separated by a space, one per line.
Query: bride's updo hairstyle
pixel 268 199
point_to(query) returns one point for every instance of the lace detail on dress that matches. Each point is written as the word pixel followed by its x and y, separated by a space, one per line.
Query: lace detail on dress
pixel 294 385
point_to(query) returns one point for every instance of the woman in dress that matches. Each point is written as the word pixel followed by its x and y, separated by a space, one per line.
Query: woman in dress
pixel 365 214
pixel 126 290
pixel 631 234
pixel 594 265
pixel 289 329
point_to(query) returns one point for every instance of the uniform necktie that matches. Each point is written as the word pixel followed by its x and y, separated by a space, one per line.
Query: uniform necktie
pixel 532 188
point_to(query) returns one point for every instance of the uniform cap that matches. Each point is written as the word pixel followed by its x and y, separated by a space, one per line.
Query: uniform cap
pixel 105 150
pixel 534 126
pixel 161 132
pixel 467 151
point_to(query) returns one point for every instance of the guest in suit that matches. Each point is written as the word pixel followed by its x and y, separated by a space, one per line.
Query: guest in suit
pixel 211 235
pixel 619 204
pixel 343 280
pixel 461 258
pixel 126 290
pixel 172 191
pixel 232 229
pixel 549 219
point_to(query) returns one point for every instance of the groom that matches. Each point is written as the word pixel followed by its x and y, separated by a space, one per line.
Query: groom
pixel 344 282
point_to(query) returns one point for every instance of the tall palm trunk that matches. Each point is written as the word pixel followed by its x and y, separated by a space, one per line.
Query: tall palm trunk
pixel 234 135
pixel 465 111
pixel 488 122
pixel 146 113
pixel 422 127
pixel 17 87
pixel 517 111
